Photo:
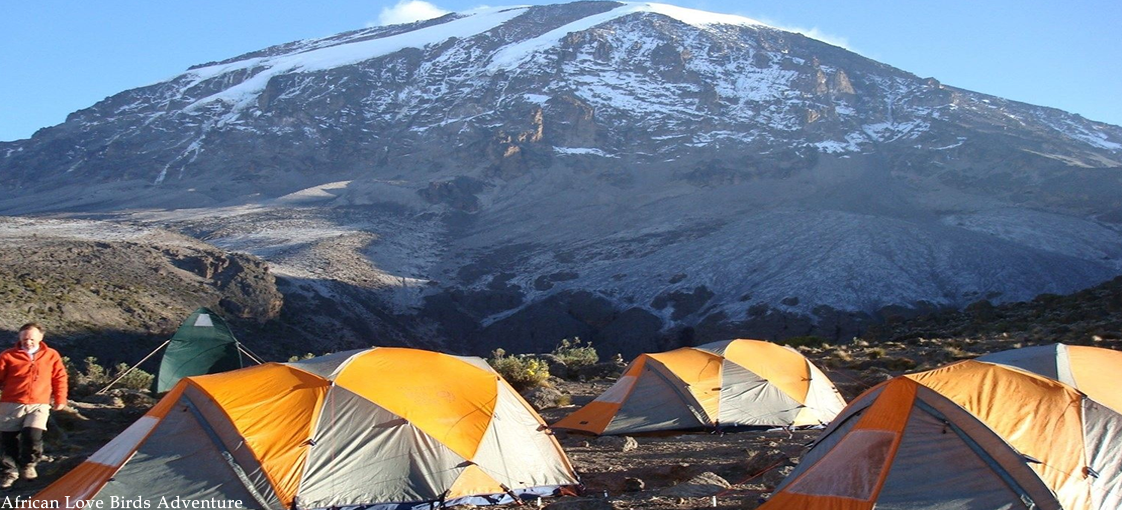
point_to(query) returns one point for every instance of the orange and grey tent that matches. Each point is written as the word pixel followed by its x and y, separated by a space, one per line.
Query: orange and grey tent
pixel 967 435
pixel 1092 370
pixel 734 383
pixel 377 428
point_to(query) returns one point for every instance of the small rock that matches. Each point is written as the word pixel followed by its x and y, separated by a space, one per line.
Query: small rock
pixel 557 367
pixel 766 459
pixel 137 398
pixel 618 443
pixel 105 400
pixel 542 397
pixel 603 370
pixel 632 484
pixel 68 417
pixel 705 484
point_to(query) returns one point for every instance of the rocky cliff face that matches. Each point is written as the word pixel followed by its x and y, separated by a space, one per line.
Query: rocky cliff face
pixel 640 175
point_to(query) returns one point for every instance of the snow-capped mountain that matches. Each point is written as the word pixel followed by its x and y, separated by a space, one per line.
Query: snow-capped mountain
pixel 633 173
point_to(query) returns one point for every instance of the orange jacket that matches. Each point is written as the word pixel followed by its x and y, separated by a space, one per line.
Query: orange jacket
pixel 28 380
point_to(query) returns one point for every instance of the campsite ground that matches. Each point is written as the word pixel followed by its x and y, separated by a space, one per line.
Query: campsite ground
pixel 677 471
pixel 683 471
pixel 649 472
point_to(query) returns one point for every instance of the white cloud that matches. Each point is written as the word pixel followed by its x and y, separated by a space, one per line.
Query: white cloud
pixel 813 33
pixel 408 11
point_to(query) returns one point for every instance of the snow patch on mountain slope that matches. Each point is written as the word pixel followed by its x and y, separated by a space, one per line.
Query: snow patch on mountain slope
pixel 514 55
pixel 700 19
pixel 621 90
pixel 244 93
pixel 583 151
pixel 892 131
pixel 1079 132
pixel 621 84
pixel 839 147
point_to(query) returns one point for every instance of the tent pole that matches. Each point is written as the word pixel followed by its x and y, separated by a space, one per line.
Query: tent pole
pixel 122 376
pixel 249 353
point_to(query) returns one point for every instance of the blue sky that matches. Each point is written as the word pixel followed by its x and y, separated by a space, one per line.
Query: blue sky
pixel 60 56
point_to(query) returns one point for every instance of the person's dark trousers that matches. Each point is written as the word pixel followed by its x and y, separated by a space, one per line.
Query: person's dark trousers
pixel 9 442
pixel 23 448
pixel 30 446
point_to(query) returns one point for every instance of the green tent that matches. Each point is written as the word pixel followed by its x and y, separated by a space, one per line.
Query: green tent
pixel 203 344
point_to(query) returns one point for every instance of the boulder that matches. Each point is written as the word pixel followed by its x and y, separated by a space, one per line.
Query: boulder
pixel 542 397
pixel 705 484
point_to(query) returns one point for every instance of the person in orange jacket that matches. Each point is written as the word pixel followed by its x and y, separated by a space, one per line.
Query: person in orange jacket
pixel 31 375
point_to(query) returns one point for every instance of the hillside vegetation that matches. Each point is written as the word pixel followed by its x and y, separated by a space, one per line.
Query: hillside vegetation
pixel 115 292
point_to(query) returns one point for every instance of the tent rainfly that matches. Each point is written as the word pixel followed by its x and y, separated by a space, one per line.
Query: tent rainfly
pixel 203 344
pixel 971 435
pixel 733 383
pixel 1092 370
pixel 377 428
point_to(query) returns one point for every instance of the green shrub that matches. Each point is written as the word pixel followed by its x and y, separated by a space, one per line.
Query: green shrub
pixel 93 377
pixel 94 374
pixel 522 372
pixel 575 355
pixel 71 371
pixel 137 379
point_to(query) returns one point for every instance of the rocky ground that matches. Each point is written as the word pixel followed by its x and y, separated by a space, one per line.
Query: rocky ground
pixel 675 471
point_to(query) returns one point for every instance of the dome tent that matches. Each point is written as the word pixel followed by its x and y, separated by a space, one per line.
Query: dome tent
pixel 1092 370
pixel 378 428
pixel 968 435
pixel 203 344
pixel 733 383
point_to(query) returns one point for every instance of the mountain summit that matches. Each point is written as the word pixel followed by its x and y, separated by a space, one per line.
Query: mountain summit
pixel 637 174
